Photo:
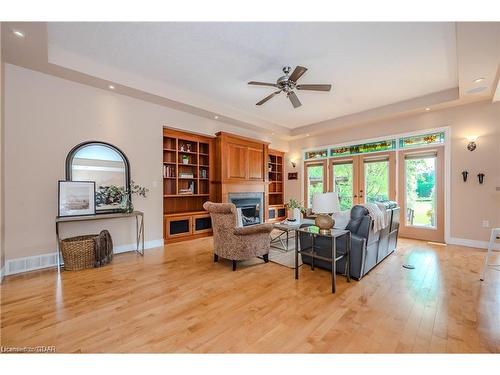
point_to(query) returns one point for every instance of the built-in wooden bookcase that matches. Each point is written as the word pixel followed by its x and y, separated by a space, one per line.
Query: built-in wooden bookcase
pixel 276 190
pixel 187 175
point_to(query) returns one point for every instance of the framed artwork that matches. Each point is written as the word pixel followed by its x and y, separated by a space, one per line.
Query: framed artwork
pixel 293 175
pixel 76 198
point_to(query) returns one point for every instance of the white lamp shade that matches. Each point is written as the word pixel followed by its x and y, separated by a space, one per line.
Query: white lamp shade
pixel 325 203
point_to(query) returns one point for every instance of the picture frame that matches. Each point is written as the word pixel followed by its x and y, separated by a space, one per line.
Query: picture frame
pixel 75 198
pixel 293 176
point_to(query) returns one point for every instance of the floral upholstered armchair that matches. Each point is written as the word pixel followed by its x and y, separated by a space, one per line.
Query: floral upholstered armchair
pixel 233 242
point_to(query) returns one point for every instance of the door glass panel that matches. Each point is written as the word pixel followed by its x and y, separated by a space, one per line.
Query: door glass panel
pixel 314 182
pixel 343 184
pixel 376 180
pixel 420 191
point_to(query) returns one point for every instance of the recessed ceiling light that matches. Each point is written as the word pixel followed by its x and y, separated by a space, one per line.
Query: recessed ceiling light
pixel 216 117
pixel 111 87
pixel 307 135
pixel 427 109
pixel 477 80
pixel 18 33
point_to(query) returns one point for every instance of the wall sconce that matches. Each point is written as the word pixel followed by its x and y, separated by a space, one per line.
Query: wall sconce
pixel 293 163
pixel 464 175
pixel 471 146
pixel 480 177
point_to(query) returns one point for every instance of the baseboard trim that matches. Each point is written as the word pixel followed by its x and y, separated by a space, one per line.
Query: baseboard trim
pixel 471 243
pixel 37 262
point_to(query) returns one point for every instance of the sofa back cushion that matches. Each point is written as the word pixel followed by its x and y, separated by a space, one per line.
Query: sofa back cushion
pixel 357 215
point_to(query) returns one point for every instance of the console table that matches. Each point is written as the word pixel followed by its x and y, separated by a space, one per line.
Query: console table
pixel 139 228
pixel 332 234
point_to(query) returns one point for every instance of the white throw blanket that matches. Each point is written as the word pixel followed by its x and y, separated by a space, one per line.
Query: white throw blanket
pixel 378 216
pixel 385 212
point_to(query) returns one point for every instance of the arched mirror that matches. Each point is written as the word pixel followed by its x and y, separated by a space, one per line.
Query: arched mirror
pixel 108 167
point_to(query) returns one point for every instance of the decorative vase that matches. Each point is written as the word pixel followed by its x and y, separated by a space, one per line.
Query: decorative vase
pixel 126 204
pixel 293 214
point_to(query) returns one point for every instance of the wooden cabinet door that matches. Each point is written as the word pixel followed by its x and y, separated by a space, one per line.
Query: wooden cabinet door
pixel 255 164
pixel 178 226
pixel 202 223
pixel 237 166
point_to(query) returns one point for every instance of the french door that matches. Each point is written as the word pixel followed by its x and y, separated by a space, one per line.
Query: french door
pixel 421 193
pixel 363 178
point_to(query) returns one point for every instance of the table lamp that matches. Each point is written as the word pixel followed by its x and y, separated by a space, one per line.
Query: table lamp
pixel 324 204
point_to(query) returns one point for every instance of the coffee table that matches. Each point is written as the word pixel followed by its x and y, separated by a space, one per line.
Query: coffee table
pixel 285 229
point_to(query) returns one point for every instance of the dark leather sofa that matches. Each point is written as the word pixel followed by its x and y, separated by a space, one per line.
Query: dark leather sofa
pixel 367 248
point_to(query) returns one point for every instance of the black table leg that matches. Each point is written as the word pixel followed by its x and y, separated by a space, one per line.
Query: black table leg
pixel 348 259
pixel 312 252
pixel 334 268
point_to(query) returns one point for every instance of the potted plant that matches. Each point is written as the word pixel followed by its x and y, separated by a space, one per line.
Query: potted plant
pixel 185 159
pixel 294 209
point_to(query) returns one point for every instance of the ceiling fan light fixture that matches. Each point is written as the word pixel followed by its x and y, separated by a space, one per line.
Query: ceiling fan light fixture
pixel 288 84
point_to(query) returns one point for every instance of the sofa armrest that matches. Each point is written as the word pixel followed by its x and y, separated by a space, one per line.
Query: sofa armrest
pixel 253 229
pixel 357 242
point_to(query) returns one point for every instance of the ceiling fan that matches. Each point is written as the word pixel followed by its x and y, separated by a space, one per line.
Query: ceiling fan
pixel 288 83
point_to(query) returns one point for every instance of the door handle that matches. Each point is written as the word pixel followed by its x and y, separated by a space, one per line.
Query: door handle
pixel 355 196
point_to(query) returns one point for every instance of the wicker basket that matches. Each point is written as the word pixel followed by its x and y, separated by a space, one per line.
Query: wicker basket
pixel 78 252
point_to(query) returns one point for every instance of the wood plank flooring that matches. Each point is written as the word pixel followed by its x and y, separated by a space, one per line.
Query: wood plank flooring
pixel 176 299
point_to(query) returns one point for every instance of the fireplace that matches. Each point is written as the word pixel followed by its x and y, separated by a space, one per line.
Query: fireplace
pixel 250 207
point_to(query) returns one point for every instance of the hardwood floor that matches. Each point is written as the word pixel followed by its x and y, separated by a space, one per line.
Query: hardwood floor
pixel 177 300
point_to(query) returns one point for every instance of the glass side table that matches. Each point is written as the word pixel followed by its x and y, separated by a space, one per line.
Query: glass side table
pixel 284 229
pixel 333 234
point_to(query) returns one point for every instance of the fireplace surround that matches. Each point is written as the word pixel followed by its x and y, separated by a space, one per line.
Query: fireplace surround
pixel 250 207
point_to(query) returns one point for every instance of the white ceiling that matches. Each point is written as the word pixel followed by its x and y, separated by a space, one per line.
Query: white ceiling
pixel 208 65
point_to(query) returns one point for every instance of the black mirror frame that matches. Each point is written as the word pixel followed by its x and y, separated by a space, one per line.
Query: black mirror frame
pixel 74 150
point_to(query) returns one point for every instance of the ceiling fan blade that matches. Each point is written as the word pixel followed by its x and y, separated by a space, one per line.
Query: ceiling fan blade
pixel 314 87
pixel 297 73
pixel 293 98
pixel 268 97
pixel 262 84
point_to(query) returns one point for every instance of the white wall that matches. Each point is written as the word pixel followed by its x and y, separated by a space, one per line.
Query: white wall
pixel 471 203
pixel 45 117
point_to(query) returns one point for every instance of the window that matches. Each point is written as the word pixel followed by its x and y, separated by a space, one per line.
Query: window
pixel 319 154
pixel 343 174
pixel 421 140
pixel 315 181
pixel 376 180
pixel 363 148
